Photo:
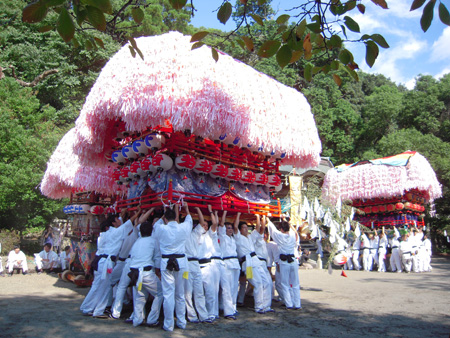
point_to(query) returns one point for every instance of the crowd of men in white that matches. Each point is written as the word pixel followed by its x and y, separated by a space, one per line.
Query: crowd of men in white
pixel 408 252
pixel 190 269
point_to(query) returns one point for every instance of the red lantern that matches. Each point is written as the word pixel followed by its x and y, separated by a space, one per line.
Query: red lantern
pixel 134 167
pixel 147 166
pixel 375 209
pixel 97 210
pixel 399 206
pixel 116 176
pixel 382 208
pixel 234 174
pixel 203 166
pixel 261 179
pixel 219 171
pixel 408 205
pixel 124 178
pixel 248 177
pixel 185 162
pixel 390 207
pixel 274 180
pixel 162 162
pixel 368 210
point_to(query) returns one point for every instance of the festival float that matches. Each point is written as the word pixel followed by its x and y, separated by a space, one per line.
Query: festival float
pixel 391 191
pixel 175 125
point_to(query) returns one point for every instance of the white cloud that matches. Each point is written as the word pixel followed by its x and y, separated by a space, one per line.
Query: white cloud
pixel 440 50
pixel 389 62
pixel 410 84
pixel 442 73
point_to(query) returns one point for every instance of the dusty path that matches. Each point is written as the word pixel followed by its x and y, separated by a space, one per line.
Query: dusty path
pixel 362 305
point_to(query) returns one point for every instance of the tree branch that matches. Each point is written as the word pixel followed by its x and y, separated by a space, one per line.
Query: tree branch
pixel 36 80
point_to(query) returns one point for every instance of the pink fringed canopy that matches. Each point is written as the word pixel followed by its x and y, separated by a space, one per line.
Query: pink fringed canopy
pixel 64 173
pixel 372 180
pixel 194 92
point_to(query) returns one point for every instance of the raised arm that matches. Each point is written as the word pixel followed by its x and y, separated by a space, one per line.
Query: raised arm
pixel 258 223
pixel 224 218
pixel 145 216
pixel 136 215
pixel 177 213
pixel 236 223
pixel 294 230
pixel 214 219
pixel 201 219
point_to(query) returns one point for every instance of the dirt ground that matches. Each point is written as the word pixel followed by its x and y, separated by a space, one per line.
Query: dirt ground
pixel 366 304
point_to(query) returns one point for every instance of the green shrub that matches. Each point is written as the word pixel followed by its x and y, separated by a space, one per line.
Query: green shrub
pixel 8 239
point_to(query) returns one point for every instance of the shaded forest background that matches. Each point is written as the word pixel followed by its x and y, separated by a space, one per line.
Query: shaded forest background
pixel 357 120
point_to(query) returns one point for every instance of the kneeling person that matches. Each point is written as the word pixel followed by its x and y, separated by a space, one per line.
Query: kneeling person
pixel 46 260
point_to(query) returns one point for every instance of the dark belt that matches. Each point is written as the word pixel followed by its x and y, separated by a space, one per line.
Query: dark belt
pixel 229 257
pixel 134 274
pixel 381 247
pixel 394 247
pixel 243 258
pixel 190 259
pixel 262 259
pixel 288 258
pixel 113 258
pixel 216 257
pixel 172 264
pixel 204 260
pixel 406 253
pixel 122 259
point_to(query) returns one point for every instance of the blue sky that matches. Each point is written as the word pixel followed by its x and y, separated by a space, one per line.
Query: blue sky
pixel 412 52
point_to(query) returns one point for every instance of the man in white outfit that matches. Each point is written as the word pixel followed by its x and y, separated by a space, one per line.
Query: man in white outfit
pixel 193 286
pixel 110 243
pixel 210 259
pixel 367 262
pixel 382 249
pixel 64 258
pixel 395 260
pixel 230 278
pixel 287 243
pixel 259 243
pixel 356 247
pixel 427 253
pixel 405 252
pixel 47 260
pixel 416 241
pixel 17 260
pixel 171 237
pixel 251 265
pixel 145 259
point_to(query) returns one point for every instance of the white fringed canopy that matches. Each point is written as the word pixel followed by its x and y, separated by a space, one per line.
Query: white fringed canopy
pixel 194 92
pixel 370 180
pixel 64 173
pixel 191 90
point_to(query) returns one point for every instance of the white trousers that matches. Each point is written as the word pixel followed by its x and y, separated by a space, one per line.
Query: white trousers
pixel 262 287
pixel 416 262
pixel 229 282
pixel 289 276
pixel 407 262
pixel 91 299
pixel 122 287
pixel 381 255
pixel 23 265
pixel 150 285
pixel 194 286
pixel 355 259
pixel 173 291
pixel 367 260
pixel 211 281
pixel 396 261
